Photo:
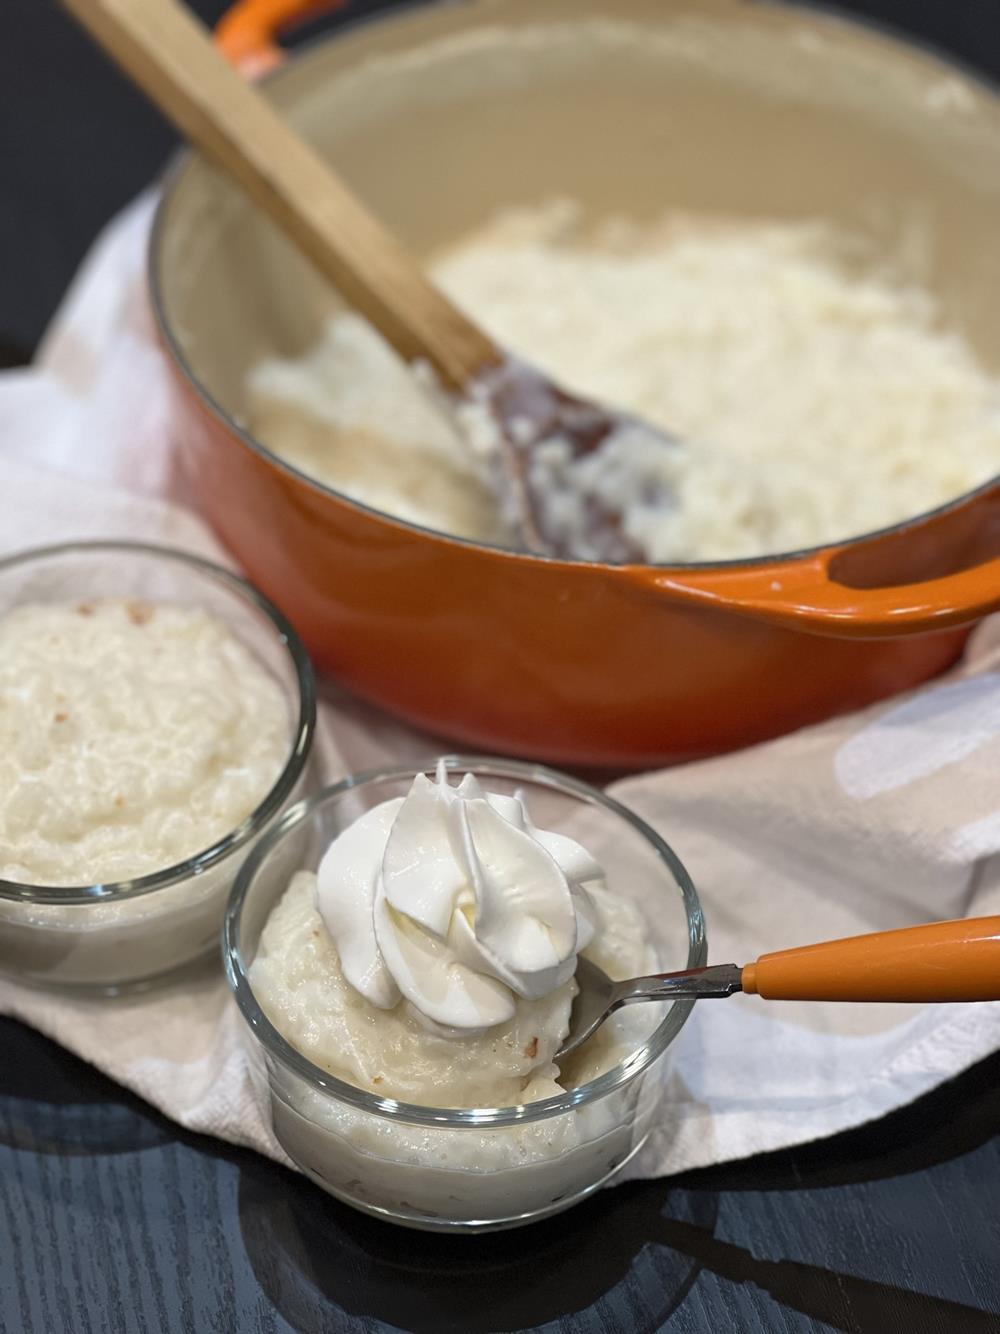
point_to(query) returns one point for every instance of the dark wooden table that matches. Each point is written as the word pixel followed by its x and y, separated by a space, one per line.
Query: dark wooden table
pixel 113 1219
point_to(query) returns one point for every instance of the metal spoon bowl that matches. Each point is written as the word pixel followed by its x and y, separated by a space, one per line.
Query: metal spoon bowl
pixel 598 996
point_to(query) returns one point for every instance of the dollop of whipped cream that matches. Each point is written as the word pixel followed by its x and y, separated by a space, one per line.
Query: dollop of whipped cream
pixel 453 900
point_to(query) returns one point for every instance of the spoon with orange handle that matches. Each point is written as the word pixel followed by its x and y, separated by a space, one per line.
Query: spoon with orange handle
pixel 942 961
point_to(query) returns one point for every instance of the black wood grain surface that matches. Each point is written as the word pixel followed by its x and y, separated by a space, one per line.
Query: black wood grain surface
pixel 112 1219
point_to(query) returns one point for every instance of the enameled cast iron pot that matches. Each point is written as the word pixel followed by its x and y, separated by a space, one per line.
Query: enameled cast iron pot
pixel 438 114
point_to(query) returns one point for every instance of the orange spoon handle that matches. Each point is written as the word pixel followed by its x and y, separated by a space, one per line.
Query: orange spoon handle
pixel 942 961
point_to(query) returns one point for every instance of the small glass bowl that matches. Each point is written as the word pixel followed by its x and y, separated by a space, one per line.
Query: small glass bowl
pixel 119 936
pixel 470 1170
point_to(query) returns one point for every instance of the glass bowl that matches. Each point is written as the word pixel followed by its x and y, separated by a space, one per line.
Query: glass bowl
pixel 447 1169
pixel 117 936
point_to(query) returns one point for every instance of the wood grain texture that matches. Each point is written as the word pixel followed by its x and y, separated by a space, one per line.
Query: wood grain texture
pixel 169 54
pixel 113 1219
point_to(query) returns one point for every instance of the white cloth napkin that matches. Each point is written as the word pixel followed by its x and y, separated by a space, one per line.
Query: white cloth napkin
pixel 880 819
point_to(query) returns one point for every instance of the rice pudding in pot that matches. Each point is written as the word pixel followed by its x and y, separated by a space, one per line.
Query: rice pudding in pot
pixel 810 387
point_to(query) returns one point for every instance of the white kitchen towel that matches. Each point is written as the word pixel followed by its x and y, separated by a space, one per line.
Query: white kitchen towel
pixel 876 820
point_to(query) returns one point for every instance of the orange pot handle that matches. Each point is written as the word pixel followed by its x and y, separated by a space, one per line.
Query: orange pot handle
pixel 943 961
pixel 247 33
pixel 837 591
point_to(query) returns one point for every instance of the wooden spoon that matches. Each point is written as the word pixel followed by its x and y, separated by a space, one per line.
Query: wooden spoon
pixel 553 446
pixel 941 961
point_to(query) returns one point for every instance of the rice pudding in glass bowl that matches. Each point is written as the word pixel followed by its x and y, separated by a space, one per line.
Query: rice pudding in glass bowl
pixel 156 716
pixel 402 948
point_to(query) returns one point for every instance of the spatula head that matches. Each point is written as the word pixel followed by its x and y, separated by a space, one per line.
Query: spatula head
pixel 571 473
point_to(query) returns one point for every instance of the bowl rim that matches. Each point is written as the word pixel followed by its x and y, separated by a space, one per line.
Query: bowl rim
pixel 330 1086
pixel 300 744
pixel 819 12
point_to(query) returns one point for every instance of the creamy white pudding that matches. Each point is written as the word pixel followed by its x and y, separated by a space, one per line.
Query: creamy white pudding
pixel 430 959
pixel 132 736
pixel 811 387
pixel 156 715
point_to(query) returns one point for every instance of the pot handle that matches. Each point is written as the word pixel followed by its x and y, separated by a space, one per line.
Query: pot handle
pixel 247 32
pixel 935 573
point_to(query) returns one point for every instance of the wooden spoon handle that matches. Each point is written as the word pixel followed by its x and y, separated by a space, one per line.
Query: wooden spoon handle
pixel 943 961
pixel 171 56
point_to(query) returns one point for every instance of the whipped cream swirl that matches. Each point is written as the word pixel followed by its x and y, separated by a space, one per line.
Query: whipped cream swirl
pixel 452 899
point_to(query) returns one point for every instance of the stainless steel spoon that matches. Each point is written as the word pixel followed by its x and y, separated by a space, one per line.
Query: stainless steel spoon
pixel 941 961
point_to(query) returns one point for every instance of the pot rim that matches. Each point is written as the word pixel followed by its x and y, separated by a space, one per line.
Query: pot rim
pixel 184 158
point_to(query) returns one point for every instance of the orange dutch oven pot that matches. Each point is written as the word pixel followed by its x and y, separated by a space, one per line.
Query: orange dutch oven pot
pixel 577 663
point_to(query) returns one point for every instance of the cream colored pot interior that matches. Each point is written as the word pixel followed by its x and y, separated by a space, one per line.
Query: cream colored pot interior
pixel 442 114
